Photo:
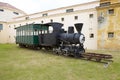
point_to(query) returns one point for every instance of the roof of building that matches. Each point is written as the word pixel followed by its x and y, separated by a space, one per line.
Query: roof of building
pixel 96 1
pixel 8 6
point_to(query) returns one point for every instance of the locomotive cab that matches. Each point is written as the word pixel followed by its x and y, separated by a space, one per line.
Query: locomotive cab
pixel 49 38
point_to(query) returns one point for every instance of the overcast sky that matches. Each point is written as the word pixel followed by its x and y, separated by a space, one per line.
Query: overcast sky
pixel 33 6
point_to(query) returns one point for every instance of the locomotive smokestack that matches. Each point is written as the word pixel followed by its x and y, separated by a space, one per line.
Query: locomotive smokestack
pixel 78 27
pixel 70 29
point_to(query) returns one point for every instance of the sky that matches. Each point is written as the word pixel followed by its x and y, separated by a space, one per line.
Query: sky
pixel 33 6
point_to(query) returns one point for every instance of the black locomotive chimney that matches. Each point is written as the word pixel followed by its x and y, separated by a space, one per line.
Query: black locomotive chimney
pixel 70 29
pixel 78 27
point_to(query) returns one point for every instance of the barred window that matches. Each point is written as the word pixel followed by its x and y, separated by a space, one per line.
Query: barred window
pixel 91 35
pixel 51 20
pixel 105 4
pixel 1 26
pixel 91 15
pixel 42 21
pixel 69 10
pixel 45 14
pixel 111 35
pixel 111 11
pixel 1 10
pixel 62 19
pixel 16 13
pixel 76 17
pixel 26 18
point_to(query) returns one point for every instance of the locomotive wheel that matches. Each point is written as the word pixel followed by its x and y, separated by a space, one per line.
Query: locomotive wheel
pixel 48 48
pixel 76 55
pixel 22 46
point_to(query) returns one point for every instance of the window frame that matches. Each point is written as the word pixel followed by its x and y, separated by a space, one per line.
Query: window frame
pixel 111 35
pixel 91 35
pixel 111 11
pixel 1 26
pixel 69 10
pixel 76 17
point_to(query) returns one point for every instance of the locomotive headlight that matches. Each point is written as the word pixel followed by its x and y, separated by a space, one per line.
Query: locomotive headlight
pixel 82 38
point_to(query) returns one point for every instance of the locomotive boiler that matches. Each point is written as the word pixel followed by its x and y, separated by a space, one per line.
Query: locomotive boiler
pixel 72 43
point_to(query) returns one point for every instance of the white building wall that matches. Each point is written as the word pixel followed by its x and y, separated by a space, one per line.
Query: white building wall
pixel 4 33
pixel 90 24
pixel 82 11
pixel 8 15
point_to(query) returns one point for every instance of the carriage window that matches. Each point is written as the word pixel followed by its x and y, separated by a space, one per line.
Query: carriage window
pixel 39 31
pixel 16 32
pixel 20 32
pixel 42 32
pixel 36 32
pixel 23 33
pixel 46 31
pixel 31 32
pixel 50 29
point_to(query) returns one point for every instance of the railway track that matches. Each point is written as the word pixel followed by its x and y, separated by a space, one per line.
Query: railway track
pixel 97 57
pixel 103 58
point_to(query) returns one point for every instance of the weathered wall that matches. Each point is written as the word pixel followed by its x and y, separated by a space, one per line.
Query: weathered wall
pixel 112 1
pixel 109 23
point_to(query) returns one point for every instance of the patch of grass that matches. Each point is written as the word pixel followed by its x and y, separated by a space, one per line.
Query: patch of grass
pixel 25 64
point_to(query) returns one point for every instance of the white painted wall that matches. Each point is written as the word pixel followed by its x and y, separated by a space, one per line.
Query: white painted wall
pixel 83 17
pixel 8 15
pixel 4 33
pixel 82 11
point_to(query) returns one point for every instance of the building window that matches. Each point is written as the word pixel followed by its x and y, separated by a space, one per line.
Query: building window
pixel 76 17
pixel 1 26
pixel 110 34
pixel 111 11
pixel 105 4
pixel 51 20
pixel 1 10
pixel 26 18
pixel 45 14
pixel 69 10
pixel 16 13
pixel 62 19
pixel 42 21
pixel 91 35
pixel 91 15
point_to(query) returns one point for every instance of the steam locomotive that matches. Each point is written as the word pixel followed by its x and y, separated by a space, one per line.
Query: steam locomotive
pixel 52 36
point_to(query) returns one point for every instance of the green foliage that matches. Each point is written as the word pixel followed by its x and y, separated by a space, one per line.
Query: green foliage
pixel 25 64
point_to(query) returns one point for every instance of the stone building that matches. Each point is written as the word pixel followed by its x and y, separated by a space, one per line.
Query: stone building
pixel 109 24
pixel 7 13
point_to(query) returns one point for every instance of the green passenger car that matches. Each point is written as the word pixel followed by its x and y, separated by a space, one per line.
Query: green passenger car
pixel 27 35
